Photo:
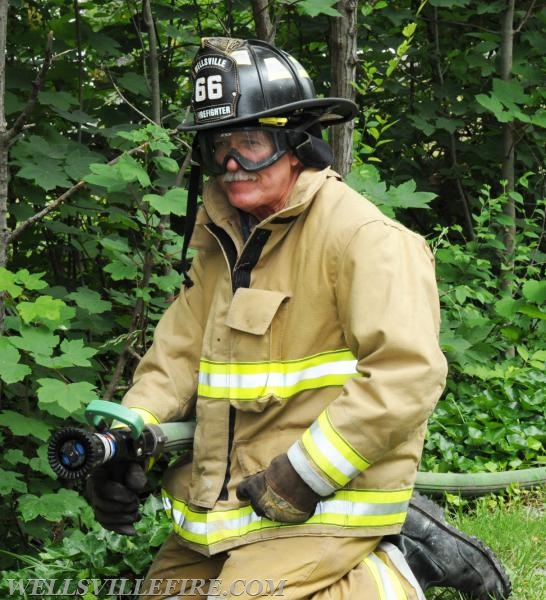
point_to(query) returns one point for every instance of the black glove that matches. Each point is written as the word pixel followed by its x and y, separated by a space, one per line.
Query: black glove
pixel 112 491
pixel 279 493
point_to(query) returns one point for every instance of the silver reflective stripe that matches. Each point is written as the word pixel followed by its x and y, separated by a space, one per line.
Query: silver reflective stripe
pixel 248 381
pixel 399 561
pixel 382 570
pixel 300 463
pixel 333 456
pixel 361 509
pixel 346 509
pixel 276 379
pixel 209 527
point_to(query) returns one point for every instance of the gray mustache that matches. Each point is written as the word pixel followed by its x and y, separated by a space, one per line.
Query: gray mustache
pixel 230 176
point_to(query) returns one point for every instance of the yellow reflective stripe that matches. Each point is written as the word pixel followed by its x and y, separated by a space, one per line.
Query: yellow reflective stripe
pixel 324 447
pixel 248 381
pixel 387 582
pixel 372 567
pixel 346 508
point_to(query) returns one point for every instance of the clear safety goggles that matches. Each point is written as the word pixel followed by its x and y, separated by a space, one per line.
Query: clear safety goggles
pixel 253 148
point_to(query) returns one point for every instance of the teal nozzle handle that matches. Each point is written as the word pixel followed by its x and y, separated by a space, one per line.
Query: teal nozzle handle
pixel 98 410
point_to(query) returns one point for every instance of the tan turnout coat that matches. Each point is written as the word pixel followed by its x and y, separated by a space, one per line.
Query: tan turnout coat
pixel 318 336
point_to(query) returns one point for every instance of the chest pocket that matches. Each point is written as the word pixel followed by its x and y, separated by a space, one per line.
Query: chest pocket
pixel 256 318
pixel 252 311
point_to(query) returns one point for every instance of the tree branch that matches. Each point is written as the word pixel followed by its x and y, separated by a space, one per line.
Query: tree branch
pixel 525 18
pixel 62 198
pixel 436 58
pixel 37 85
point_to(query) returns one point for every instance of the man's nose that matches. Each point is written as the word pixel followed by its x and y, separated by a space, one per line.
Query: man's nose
pixel 232 164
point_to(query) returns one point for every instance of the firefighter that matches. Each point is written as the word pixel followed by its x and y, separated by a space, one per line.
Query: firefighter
pixel 305 343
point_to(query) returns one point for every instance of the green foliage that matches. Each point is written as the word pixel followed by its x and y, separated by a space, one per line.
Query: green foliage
pixel 95 182
pixel 493 415
pixel 84 551
pixel 58 340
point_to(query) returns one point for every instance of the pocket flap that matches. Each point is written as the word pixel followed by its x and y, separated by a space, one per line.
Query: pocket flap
pixel 252 310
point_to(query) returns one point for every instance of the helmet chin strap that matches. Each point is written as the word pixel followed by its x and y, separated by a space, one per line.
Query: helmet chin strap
pixel 189 220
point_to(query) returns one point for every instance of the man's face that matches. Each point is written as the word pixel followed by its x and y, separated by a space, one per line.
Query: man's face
pixel 259 192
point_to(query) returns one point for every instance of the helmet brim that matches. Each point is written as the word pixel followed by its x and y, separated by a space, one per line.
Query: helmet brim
pixel 328 111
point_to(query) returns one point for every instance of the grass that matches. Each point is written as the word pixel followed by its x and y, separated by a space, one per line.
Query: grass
pixel 514 526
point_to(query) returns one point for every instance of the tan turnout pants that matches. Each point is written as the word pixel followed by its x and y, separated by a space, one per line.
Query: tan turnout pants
pixel 298 568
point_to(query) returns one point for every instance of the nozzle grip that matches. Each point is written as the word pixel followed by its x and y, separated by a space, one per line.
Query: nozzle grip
pixel 97 410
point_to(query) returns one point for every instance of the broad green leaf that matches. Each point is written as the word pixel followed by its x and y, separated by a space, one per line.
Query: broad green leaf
pixel 523 352
pixel 7 283
pixel 115 245
pixel 169 283
pixel 31 281
pixel 105 176
pixel 132 170
pixel 540 355
pixel 422 124
pixel 77 353
pixel 319 7
pixel 47 174
pixel 121 270
pixel 535 291
pixel 103 44
pixel 510 92
pixel 507 307
pixel 21 425
pixel 51 506
pixel 539 118
pixel 63 399
pixel 135 83
pixel 533 312
pixel 36 340
pixel 44 308
pixel 90 300
pixel 75 116
pixel 450 342
pixel 11 371
pixel 11 482
pixel 173 202
pixel 491 103
pixel 62 100
pixel 167 164
pixel 40 463
pixel 409 30
pixel 54 362
pixel 13 104
pixel 36 146
pixel 405 196
pixel 15 456
pixel 78 162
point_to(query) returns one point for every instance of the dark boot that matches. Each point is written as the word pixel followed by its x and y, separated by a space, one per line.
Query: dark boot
pixel 441 556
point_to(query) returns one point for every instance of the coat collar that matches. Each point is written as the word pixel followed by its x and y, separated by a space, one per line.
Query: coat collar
pixel 217 210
